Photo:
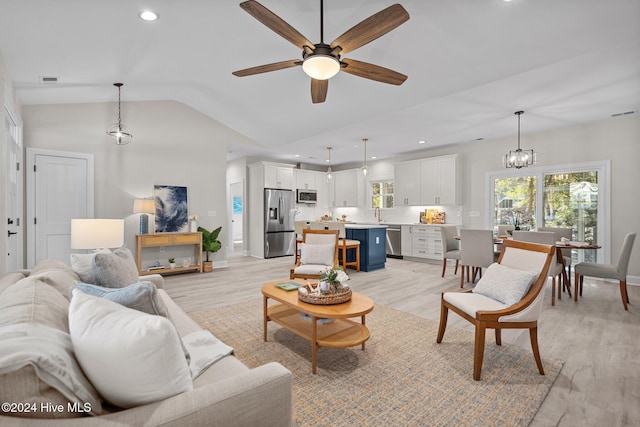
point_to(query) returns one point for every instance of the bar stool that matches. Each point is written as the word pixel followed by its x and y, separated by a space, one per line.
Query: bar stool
pixel 345 244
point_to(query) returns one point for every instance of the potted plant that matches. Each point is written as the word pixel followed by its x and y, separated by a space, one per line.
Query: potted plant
pixel 210 244
pixel 172 263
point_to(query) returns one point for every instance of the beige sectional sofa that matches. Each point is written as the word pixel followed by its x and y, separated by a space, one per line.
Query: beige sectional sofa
pixel 227 394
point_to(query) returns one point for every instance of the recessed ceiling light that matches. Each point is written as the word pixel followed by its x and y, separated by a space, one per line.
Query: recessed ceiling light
pixel 296 155
pixel 422 142
pixel 148 15
pixel 373 157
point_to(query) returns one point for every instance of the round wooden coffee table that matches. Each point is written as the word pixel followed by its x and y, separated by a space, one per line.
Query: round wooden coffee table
pixel 340 333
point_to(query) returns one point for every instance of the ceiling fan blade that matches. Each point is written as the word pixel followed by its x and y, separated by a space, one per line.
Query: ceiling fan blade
pixel 371 28
pixel 267 67
pixel 372 72
pixel 319 90
pixel 275 23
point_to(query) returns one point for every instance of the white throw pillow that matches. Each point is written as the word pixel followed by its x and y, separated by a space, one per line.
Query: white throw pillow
pixel 505 284
pixel 322 254
pixel 82 265
pixel 132 358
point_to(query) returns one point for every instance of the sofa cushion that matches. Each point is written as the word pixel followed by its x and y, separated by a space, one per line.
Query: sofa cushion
pixel 116 345
pixel 37 365
pixel 31 300
pixel 505 284
pixel 142 296
pixel 82 265
pixel 115 269
pixel 10 279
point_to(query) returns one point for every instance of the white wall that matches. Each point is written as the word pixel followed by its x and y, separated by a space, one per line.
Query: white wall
pixel 172 145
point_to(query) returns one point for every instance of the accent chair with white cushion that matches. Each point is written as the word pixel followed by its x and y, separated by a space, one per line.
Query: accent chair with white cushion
pixel 509 296
pixel 608 271
pixel 318 252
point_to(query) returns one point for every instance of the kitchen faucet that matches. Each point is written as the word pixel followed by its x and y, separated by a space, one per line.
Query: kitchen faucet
pixel 377 214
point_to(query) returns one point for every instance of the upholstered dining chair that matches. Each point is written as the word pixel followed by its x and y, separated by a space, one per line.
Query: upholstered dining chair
pixel 476 251
pixel 299 226
pixel 608 271
pixel 318 252
pixel 509 296
pixel 503 230
pixel 345 244
pixel 567 233
pixel 450 246
pixel 555 269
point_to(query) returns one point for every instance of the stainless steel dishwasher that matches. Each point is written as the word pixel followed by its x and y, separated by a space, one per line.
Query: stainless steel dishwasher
pixel 394 241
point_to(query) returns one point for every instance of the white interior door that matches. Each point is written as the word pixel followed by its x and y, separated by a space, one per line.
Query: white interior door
pixel 62 189
pixel 13 234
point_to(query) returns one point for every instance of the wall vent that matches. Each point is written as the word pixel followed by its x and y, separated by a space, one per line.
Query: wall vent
pixel 626 113
pixel 48 80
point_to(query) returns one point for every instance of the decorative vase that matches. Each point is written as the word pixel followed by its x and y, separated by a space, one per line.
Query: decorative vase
pixel 186 262
pixel 172 265
pixel 193 226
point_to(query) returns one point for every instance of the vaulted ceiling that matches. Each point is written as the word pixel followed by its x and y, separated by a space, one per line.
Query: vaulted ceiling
pixel 471 65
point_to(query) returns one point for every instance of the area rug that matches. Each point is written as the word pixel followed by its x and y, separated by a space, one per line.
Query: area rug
pixel 403 378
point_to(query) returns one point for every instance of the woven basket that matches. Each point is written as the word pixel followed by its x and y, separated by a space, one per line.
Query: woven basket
pixel 325 299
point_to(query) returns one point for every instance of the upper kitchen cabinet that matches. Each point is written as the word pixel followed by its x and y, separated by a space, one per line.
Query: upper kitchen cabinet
pixel 348 188
pixel 406 183
pixel 439 181
pixel 278 175
pixel 430 181
pixel 305 179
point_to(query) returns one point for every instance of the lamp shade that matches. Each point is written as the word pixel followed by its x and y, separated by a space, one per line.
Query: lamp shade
pixel 97 233
pixel 144 206
pixel 321 67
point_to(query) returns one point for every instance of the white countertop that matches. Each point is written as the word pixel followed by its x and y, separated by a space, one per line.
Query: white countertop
pixel 364 226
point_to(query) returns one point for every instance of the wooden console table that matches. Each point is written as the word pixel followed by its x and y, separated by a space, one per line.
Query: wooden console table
pixel 170 239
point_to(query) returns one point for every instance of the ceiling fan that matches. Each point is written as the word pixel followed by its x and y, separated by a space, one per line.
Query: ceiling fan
pixel 322 61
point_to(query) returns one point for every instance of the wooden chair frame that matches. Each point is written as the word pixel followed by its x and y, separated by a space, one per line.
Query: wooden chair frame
pixel 490 319
pixel 306 232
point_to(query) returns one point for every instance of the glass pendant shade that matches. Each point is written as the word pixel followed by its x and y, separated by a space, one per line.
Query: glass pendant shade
pixel 321 67
pixel 364 163
pixel 119 133
pixel 329 168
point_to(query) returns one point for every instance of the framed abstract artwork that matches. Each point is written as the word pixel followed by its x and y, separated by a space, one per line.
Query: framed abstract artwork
pixel 171 209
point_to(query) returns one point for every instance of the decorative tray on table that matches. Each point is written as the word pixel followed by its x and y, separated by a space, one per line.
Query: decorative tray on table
pixel 313 295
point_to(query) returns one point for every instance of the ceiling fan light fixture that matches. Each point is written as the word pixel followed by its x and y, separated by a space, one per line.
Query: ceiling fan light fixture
pixel 321 67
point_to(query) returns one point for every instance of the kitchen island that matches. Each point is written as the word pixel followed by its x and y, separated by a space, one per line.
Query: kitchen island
pixel 372 239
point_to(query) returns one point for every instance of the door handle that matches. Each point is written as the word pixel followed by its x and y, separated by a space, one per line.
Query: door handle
pixel 9 221
pixel 9 233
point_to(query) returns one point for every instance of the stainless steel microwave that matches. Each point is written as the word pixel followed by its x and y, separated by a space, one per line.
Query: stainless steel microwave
pixel 307 196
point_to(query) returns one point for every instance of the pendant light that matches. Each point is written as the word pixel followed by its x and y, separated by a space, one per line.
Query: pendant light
pixel 119 133
pixel 329 161
pixel 519 158
pixel 364 164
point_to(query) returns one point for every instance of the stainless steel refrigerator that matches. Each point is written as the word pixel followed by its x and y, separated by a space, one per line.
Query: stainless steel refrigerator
pixel 279 223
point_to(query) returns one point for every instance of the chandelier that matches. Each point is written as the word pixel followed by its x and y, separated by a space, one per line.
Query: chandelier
pixel 119 133
pixel 519 158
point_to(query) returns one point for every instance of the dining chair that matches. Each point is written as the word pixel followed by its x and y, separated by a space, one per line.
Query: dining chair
pixel 567 233
pixel 510 296
pixel 503 230
pixel 318 252
pixel 345 244
pixel 476 251
pixel 298 227
pixel 556 268
pixel 450 246
pixel 608 271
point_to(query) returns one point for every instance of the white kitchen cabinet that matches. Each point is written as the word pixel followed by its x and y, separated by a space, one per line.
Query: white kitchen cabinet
pixel 406 183
pixel 305 179
pixel 278 176
pixel 429 181
pixel 322 185
pixel 439 181
pixel 348 188
pixel 426 242
pixel 406 245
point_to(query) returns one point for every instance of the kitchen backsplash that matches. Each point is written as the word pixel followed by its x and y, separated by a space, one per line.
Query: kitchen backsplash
pixel 397 215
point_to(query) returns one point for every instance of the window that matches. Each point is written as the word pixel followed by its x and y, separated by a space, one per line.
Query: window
pixel 575 196
pixel 382 194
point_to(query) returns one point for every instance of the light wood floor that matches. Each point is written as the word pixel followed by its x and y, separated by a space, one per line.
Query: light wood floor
pixel 599 342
